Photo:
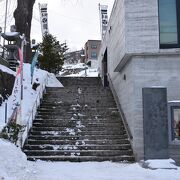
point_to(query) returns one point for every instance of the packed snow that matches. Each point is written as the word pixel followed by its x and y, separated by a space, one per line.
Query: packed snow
pixel 78 70
pixel 14 166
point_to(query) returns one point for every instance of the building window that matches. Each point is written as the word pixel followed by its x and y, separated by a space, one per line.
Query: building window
pixel 94 46
pixel 175 122
pixel 169 12
pixel 93 55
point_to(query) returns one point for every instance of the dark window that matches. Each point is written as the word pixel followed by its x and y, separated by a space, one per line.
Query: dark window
pixel 168 23
pixel 93 55
pixel 94 46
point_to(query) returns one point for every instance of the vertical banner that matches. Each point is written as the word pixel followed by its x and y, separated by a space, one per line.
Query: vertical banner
pixel 17 91
pixel 34 63
pixel 44 18
pixel 103 19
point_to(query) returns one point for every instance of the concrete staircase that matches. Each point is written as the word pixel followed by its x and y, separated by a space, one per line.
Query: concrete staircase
pixel 79 122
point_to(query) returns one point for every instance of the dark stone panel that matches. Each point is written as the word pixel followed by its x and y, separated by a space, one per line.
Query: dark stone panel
pixel 155 123
pixel 6 85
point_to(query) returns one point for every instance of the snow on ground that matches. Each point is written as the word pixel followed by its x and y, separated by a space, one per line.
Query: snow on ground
pixel 78 70
pixel 14 166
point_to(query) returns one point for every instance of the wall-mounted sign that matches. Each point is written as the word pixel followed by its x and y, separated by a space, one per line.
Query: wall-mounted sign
pixel 44 18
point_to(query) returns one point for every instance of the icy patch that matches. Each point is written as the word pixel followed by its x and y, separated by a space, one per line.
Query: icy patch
pixel 79 125
pixel 81 115
pixel 69 147
pixel 60 102
pixel 79 131
pixel 50 133
pixel 73 154
pixel 76 105
pixel 79 91
pixel 73 118
pixel 55 147
pixel 70 131
pixel 80 143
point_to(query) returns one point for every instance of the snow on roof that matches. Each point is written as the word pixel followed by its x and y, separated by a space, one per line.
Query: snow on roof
pixel 7 70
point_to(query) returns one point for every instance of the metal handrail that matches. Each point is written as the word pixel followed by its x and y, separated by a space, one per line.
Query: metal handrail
pixel 33 112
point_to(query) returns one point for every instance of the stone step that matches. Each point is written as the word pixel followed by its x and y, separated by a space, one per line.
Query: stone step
pixel 78 152
pixel 78 147
pixel 123 158
pixel 78 126
pixel 81 127
pixel 84 114
pixel 84 121
pixel 74 124
pixel 70 116
pixel 60 104
pixel 77 142
pixel 79 131
pixel 124 137
pixel 77 109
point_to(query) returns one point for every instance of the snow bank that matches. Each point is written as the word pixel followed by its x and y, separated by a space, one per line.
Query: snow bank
pixel 13 163
pixel 52 81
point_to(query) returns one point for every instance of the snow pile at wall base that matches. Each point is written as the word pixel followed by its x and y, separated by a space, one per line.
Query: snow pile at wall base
pixel 13 162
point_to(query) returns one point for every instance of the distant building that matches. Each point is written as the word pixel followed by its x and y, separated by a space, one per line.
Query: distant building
pixel 75 57
pixel 92 48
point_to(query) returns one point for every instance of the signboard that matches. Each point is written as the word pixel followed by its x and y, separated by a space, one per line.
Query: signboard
pixel 44 18
pixel 103 19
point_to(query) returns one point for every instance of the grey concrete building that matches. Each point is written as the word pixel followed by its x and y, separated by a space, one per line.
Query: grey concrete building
pixel 92 48
pixel 140 54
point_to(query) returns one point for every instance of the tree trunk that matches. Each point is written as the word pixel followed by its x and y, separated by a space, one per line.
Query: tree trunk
pixel 23 17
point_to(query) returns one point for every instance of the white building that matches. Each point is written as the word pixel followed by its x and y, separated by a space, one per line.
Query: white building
pixel 141 49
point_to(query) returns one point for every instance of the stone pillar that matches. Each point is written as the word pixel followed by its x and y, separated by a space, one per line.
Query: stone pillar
pixel 155 123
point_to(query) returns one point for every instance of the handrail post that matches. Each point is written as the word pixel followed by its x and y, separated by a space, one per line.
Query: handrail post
pixel 5 112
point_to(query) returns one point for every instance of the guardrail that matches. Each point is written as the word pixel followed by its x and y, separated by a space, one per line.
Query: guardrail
pixel 120 110
pixel 32 115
